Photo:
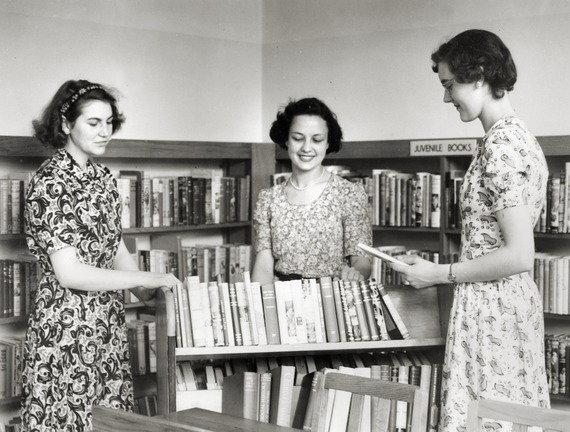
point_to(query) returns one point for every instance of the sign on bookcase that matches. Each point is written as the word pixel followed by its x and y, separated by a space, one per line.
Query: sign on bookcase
pixel 451 147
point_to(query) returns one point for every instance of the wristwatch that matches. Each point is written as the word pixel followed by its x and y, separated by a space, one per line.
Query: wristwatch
pixel 450 276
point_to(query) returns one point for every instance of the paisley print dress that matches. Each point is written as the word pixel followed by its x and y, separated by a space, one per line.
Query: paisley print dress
pixel 76 348
pixel 495 342
pixel 313 240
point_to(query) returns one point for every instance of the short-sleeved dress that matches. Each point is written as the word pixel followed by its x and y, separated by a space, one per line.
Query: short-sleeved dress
pixel 76 348
pixel 495 342
pixel 313 240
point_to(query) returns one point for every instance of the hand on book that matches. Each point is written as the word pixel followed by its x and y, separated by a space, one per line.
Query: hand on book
pixel 418 272
pixel 350 273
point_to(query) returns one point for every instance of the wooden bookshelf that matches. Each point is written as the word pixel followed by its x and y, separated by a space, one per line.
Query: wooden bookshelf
pixel 25 154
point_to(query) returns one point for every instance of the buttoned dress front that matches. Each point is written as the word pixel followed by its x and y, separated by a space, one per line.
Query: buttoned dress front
pixel 76 348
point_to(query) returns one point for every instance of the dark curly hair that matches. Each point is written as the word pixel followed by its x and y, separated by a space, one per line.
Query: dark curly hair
pixel 48 128
pixel 476 54
pixel 279 132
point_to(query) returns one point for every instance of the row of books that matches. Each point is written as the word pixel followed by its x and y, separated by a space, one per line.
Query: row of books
pixel 286 312
pixel 209 198
pixel 395 198
pixel 551 274
pixel 556 354
pixel 209 262
pixel 18 283
pixel 209 374
pixel 141 333
pixel 555 217
pixel 11 206
pixel 405 199
pixel 282 393
pixel 11 350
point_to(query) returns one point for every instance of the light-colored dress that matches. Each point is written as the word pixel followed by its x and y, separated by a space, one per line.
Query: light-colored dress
pixel 495 342
pixel 313 240
pixel 76 349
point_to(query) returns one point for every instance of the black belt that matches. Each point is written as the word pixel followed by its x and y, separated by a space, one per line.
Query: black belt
pixel 287 277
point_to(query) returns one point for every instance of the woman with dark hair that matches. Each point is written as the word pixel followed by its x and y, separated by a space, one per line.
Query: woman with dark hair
pixel 76 348
pixel 309 227
pixel 495 343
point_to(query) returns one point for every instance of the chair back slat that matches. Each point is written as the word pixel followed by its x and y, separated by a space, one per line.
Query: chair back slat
pixel 383 394
pixel 522 416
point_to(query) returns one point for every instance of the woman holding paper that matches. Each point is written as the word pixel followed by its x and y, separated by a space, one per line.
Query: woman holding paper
pixel 310 226
pixel 495 344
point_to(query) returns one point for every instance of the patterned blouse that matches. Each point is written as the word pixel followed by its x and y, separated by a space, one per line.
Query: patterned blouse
pixel 76 348
pixel 316 239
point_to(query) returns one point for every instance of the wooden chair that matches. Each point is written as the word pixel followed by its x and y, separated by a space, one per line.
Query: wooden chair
pixel 383 393
pixel 522 416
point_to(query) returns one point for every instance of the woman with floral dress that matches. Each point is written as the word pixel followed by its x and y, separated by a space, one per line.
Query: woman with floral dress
pixel 309 226
pixel 495 343
pixel 76 348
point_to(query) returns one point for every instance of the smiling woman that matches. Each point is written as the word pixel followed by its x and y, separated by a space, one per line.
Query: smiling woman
pixel 76 348
pixel 310 226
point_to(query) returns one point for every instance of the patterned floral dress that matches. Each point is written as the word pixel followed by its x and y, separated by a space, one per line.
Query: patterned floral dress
pixel 495 342
pixel 76 348
pixel 313 240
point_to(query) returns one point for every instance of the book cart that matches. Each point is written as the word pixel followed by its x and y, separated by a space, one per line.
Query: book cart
pixel 20 156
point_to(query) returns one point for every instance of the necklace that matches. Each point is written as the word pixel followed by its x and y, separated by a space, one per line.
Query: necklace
pixel 310 184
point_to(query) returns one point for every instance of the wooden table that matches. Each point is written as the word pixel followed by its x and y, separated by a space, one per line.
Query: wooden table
pixel 194 420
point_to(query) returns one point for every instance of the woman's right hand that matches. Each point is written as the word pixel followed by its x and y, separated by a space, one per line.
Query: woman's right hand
pixel 154 280
pixel 419 273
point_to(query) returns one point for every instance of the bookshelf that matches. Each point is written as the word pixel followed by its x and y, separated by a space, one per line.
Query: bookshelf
pixel 368 155
pixel 25 154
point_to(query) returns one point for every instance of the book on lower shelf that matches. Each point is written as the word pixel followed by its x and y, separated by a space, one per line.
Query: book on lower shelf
pixel 280 398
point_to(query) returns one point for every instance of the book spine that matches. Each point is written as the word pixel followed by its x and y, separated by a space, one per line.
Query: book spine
pixel 347 319
pixel 251 311
pixel 250 395
pixel 258 311
pixel 308 311
pixel 393 312
pixel 298 308
pixel 329 310
pixel 264 397
pixel 317 311
pixel 339 311
pixel 216 312
pixel 243 310
pixel 351 307
pixel 270 309
pixel 179 317
pixel 360 313
pixel 235 314
pixel 226 310
pixel 378 312
pixel 367 304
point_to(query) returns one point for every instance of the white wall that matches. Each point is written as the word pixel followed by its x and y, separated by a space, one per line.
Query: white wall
pixel 218 70
pixel 370 61
pixel 188 70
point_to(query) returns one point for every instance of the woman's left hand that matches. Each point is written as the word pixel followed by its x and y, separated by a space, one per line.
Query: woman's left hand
pixel 350 273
